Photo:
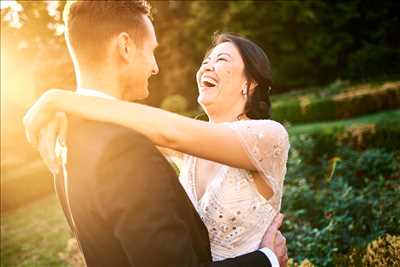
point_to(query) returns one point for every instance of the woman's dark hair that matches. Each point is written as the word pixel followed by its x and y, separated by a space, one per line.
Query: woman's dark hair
pixel 257 69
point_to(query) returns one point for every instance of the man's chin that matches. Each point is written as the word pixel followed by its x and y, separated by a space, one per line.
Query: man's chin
pixel 133 96
pixel 144 95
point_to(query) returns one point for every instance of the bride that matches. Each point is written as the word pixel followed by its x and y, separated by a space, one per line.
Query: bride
pixel 233 166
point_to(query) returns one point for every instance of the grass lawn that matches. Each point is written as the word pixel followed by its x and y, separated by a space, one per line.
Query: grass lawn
pixel 34 234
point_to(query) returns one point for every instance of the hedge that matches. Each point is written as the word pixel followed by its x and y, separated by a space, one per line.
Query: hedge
pixel 356 101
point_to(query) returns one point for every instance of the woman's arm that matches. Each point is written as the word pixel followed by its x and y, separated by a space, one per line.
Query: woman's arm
pixel 172 156
pixel 211 141
pixel 170 153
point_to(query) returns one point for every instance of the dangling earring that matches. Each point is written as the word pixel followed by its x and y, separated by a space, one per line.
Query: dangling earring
pixel 244 90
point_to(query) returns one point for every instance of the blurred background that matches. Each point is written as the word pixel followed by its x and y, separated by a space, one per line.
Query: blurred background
pixel 336 72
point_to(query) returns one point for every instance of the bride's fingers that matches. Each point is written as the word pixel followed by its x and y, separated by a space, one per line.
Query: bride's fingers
pixel 31 132
pixel 62 127
pixel 280 244
pixel 48 136
pixel 280 239
pixel 51 144
pixel 270 235
pixel 26 122
pixel 33 120
pixel 62 121
pixel 41 147
pixel 37 116
pixel 281 249
pixel 284 261
pixel 273 229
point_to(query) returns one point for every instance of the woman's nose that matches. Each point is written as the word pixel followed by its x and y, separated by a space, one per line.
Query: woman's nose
pixel 209 67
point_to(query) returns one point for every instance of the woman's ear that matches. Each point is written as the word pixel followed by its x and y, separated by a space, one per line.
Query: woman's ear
pixel 126 47
pixel 252 86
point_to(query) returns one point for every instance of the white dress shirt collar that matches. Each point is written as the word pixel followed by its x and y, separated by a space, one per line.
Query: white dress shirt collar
pixel 94 92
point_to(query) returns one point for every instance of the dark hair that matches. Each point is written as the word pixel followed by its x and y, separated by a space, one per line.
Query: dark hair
pixel 91 23
pixel 257 68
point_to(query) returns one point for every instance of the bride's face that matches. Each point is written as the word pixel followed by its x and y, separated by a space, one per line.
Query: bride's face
pixel 221 77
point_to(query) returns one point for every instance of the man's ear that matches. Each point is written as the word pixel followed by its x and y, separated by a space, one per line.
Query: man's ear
pixel 126 46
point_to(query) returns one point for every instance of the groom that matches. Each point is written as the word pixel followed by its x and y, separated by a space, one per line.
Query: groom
pixel 122 199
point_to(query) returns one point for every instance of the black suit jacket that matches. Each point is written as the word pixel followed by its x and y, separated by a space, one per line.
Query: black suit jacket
pixel 126 206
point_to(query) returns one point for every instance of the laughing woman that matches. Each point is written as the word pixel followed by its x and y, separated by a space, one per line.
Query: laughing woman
pixel 233 165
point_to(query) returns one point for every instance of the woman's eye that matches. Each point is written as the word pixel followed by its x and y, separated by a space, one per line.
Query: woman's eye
pixel 222 59
pixel 204 62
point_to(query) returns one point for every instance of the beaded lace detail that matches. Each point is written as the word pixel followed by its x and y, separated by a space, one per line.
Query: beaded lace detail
pixel 234 212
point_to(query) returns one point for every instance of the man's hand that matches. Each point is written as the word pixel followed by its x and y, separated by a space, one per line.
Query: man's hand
pixel 274 240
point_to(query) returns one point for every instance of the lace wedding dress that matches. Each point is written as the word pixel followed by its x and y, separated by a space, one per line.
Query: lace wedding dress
pixel 234 212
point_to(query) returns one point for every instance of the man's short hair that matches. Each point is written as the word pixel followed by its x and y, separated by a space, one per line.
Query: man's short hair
pixel 90 24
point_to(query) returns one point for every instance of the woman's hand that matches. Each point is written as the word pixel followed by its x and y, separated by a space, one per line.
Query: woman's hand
pixel 40 113
pixel 274 240
pixel 52 140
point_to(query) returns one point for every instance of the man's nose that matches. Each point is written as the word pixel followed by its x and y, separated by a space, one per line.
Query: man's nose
pixel 156 70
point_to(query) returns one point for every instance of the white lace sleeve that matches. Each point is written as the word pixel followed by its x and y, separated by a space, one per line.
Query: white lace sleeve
pixel 267 145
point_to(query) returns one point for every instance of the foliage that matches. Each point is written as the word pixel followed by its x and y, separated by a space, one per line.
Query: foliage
pixel 304 263
pixel 39 45
pixel 328 215
pixel 308 43
pixel 381 130
pixel 174 103
pixel 326 105
pixel 384 251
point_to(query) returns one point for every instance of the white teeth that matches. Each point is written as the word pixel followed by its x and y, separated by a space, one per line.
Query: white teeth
pixel 208 80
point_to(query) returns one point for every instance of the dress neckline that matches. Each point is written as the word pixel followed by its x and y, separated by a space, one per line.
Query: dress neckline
pixel 195 180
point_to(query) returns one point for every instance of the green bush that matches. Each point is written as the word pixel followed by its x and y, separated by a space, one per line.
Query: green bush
pixel 341 188
pixel 330 210
pixel 381 130
pixel 287 111
pixel 356 101
pixel 383 133
pixel 368 103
